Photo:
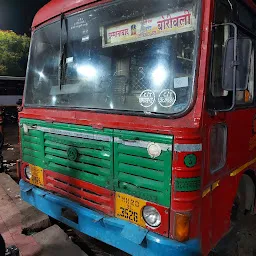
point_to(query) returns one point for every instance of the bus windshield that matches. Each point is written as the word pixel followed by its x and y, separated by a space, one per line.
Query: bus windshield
pixel 133 55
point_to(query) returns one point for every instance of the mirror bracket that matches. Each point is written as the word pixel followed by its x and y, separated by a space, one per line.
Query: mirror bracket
pixel 235 63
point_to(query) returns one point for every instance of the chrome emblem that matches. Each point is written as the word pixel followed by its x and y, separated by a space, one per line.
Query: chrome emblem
pixel 72 154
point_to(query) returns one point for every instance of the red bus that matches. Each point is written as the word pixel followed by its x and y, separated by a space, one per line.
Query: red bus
pixel 139 120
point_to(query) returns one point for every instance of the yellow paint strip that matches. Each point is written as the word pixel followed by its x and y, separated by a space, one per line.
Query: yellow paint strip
pixel 211 188
pixel 232 174
pixel 215 185
pixel 240 169
pixel 206 191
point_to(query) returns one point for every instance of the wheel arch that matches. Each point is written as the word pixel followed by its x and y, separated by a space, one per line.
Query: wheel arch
pixel 246 189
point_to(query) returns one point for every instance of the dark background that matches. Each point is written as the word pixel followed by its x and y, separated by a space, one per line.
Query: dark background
pixel 17 15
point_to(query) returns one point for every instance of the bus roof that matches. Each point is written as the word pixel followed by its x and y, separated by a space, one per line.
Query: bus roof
pixel 55 7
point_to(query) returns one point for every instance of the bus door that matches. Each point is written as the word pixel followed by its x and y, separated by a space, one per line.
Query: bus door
pixel 229 117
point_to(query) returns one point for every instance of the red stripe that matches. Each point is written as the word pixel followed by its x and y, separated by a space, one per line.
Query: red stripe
pixel 79 183
pixel 107 210
pixel 80 192
pixel 101 199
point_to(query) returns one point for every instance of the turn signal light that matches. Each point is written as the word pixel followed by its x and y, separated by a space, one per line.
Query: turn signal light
pixel 181 228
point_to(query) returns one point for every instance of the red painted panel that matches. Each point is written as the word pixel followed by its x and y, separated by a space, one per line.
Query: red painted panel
pixel 22 173
pixel 57 7
pixel 85 193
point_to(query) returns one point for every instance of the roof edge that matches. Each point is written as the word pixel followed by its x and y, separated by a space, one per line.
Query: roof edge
pixel 56 7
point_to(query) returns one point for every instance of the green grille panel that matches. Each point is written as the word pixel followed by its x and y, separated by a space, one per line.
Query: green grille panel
pixel 136 172
pixel 33 147
pixel 187 184
pixel 50 151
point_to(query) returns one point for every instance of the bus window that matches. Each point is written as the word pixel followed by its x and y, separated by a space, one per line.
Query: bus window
pixel 243 97
pixel 218 147
pixel 116 58
pixel 217 97
pixel 221 35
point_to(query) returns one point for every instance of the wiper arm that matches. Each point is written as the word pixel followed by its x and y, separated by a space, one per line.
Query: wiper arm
pixel 63 48
pixel 62 65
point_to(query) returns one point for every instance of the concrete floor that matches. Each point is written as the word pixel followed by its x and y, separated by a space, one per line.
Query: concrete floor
pixel 51 241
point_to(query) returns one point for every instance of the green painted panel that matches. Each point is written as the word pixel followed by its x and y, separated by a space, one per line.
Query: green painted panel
pixel 101 181
pixel 94 162
pixel 31 152
pixel 187 184
pixel 31 139
pixel 135 136
pixel 67 127
pixel 136 172
pixel 79 166
pixel 141 182
pixel 73 141
pixel 146 194
pixel 83 159
pixel 142 172
pixel 147 163
pixel 82 151
pixel 32 145
pixel 133 151
pixel 32 160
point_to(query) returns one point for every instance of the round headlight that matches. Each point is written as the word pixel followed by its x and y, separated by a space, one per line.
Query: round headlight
pixel 151 216
pixel 28 173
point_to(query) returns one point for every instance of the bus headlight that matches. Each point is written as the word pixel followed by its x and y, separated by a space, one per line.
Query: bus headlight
pixel 151 216
pixel 28 172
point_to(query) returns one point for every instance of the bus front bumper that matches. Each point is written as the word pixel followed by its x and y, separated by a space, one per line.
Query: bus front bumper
pixel 118 233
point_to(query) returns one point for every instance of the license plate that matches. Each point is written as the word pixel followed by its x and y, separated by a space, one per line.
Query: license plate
pixel 37 178
pixel 130 208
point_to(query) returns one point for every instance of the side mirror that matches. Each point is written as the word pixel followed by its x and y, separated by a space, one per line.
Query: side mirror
pixel 236 66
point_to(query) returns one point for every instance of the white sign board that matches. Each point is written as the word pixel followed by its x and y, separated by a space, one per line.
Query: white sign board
pixel 148 28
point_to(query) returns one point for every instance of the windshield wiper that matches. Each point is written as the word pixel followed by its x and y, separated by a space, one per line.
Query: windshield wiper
pixel 63 54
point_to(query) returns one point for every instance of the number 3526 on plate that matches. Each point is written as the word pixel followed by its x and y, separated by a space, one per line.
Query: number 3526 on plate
pixel 130 208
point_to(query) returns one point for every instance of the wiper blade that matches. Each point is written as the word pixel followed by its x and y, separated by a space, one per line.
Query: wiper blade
pixel 63 48
pixel 62 65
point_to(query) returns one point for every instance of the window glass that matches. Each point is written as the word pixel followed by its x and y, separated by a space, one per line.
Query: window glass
pixel 218 147
pixel 218 97
pixel 131 56
pixel 43 66
pixel 221 35
pixel 246 96
pixel 246 18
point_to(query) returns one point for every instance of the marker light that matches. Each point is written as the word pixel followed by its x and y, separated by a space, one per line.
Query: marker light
pixel 151 216
pixel 159 75
pixel 154 150
pixel 28 172
pixel 87 71
pixel 181 228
